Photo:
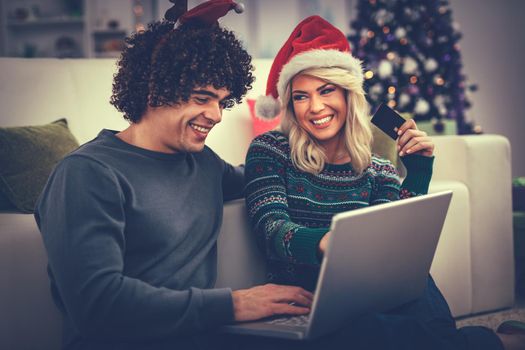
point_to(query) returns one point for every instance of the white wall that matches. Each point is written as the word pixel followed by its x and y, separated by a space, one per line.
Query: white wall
pixel 266 25
pixel 493 51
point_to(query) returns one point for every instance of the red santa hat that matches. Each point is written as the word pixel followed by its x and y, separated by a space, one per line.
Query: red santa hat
pixel 314 43
pixel 206 13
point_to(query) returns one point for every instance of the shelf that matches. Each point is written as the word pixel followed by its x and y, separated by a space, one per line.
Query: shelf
pixel 108 54
pixel 33 27
pixel 109 32
pixel 50 21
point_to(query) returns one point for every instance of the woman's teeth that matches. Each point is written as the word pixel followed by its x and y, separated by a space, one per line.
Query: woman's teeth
pixel 200 128
pixel 323 120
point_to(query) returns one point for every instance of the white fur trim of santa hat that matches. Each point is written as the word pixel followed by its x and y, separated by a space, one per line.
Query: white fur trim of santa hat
pixel 318 59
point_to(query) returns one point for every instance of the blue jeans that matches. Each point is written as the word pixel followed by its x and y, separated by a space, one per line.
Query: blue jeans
pixel 424 324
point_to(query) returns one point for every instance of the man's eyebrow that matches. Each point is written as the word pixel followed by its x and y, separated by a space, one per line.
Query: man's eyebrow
pixel 210 94
pixel 205 92
pixel 318 89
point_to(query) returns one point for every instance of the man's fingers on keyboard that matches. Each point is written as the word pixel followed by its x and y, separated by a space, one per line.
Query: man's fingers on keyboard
pixel 293 299
pixel 288 309
pixel 302 300
pixel 303 292
pixel 307 294
pixel 294 294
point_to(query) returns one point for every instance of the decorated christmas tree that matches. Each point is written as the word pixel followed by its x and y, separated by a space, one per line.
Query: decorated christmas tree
pixel 412 59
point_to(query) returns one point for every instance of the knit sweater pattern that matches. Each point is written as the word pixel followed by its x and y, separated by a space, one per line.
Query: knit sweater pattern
pixel 290 210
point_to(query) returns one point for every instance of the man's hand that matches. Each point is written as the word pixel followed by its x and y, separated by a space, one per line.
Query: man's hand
pixel 268 300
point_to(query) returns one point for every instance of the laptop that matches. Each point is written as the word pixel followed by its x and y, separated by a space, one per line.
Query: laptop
pixel 378 258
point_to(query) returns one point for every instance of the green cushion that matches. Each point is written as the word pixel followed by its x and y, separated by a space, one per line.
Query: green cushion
pixel 27 156
pixel 518 182
pixel 449 127
pixel 518 194
pixel 519 234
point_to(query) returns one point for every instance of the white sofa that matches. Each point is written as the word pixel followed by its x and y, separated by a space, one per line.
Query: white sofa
pixel 473 264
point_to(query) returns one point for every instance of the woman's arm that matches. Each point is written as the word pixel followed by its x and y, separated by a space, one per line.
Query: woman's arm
pixel 417 151
pixel 266 200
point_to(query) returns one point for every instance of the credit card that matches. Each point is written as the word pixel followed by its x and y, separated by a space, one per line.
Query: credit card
pixel 387 120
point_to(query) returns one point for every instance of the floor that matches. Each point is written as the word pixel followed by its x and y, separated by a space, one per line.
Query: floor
pixel 494 319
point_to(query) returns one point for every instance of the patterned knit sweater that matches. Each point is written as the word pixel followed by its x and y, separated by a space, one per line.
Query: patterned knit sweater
pixel 291 210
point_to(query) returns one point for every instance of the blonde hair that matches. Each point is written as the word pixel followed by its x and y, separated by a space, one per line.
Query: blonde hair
pixel 306 154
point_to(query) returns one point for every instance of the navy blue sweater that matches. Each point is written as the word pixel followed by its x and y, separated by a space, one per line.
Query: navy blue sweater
pixel 131 240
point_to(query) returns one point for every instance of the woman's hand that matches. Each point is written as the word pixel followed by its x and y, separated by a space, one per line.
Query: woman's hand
pixel 411 140
pixel 323 243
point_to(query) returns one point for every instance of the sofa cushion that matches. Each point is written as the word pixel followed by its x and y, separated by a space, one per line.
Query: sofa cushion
pixel 29 319
pixel 27 156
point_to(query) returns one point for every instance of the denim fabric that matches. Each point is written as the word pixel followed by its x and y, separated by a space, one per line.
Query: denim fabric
pixel 425 323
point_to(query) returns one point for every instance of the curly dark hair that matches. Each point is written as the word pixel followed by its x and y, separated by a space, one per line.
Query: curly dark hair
pixel 162 65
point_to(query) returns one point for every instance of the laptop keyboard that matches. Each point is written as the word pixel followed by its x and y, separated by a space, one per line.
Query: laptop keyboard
pixel 300 321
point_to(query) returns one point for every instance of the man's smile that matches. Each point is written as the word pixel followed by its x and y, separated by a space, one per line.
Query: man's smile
pixel 201 129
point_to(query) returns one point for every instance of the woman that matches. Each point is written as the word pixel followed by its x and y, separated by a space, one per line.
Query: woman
pixel 319 163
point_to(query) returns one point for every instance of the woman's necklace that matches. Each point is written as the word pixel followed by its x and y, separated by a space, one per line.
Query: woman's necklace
pixel 341 155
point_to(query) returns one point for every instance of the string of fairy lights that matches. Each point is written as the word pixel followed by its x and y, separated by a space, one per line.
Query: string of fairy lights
pixel 412 60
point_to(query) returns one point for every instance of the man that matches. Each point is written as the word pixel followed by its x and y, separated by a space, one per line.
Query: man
pixel 130 220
